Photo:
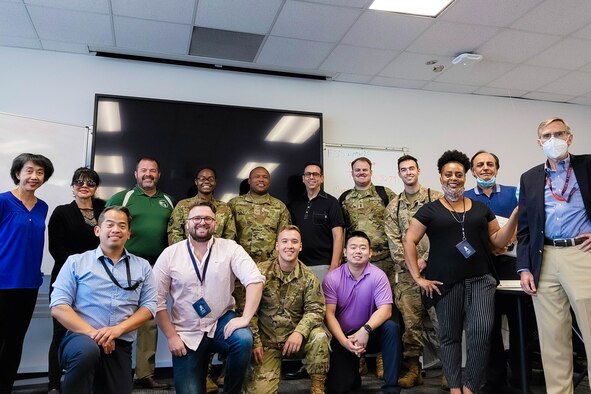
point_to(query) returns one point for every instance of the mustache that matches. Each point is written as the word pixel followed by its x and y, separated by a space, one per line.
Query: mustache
pixel 147 177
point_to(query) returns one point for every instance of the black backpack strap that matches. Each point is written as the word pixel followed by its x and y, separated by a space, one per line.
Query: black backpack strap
pixel 429 193
pixel 343 197
pixel 383 195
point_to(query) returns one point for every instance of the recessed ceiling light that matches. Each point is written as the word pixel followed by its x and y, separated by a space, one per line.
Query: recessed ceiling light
pixel 430 8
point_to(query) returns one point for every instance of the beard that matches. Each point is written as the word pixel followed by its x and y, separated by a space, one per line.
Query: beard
pixel 452 194
pixel 200 238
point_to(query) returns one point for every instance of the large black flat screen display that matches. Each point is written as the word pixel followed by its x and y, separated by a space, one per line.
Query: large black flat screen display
pixel 186 136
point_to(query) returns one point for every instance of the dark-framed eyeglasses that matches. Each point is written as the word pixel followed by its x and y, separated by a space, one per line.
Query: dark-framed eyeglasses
pixel 206 178
pixel 312 175
pixel 82 182
pixel 199 219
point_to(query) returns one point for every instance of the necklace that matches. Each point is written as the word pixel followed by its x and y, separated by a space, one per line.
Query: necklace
pixel 88 215
pixel 459 219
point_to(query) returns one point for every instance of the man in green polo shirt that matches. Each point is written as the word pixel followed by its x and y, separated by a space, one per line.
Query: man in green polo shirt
pixel 150 209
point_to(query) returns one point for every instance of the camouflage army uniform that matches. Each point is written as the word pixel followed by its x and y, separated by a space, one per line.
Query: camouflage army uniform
pixel 407 294
pixel 364 210
pixel 291 302
pixel 258 221
pixel 225 226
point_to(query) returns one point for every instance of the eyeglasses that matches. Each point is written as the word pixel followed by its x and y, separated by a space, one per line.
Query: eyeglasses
pixel 199 219
pixel 206 178
pixel 556 134
pixel 312 175
pixel 88 182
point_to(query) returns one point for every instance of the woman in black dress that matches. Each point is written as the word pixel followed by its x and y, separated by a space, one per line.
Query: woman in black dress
pixel 71 231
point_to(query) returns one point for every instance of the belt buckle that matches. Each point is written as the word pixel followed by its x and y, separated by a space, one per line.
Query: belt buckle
pixel 562 242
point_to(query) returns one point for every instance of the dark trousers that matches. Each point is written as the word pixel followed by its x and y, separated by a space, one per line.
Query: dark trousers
pixel 90 370
pixel 16 310
pixel 344 365
pixel 55 369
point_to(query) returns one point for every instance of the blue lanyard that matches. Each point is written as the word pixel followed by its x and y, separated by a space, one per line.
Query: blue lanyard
pixel 201 279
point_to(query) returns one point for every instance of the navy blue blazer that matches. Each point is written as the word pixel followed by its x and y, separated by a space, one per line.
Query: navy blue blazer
pixel 532 214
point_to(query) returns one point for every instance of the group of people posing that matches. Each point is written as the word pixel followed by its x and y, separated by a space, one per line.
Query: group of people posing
pixel 320 279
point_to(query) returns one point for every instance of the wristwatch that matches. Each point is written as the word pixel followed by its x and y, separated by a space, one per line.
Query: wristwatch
pixel 368 328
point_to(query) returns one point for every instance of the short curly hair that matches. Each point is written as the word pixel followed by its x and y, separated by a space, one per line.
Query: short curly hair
pixel 453 156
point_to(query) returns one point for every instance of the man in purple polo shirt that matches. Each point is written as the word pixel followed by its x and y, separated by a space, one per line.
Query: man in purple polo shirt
pixel 358 310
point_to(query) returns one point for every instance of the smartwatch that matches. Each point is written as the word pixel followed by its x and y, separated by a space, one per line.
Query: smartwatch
pixel 368 328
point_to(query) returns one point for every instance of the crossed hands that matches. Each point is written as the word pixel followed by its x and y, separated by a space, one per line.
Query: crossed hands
pixel 105 337
pixel 357 342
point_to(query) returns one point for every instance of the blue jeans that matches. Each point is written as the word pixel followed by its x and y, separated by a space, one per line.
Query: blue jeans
pixel 190 371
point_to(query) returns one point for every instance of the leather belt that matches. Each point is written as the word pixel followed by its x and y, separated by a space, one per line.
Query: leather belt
pixel 563 242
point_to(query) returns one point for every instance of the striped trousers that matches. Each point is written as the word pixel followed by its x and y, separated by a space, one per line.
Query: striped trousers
pixel 468 306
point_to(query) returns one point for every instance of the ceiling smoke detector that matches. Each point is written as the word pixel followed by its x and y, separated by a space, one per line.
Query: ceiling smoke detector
pixel 467 59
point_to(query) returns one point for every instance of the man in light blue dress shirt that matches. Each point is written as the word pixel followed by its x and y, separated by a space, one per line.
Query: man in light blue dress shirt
pixel 102 296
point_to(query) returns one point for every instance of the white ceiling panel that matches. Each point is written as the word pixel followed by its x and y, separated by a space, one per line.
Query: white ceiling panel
pixel 15 22
pixel 64 46
pixel 573 84
pixel 355 78
pixel 585 32
pixel 476 74
pixel 72 26
pixel 144 35
pixel 398 83
pixel 516 46
pixel 308 21
pixel 345 3
pixel 448 87
pixel 486 12
pixel 527 78
pixel 178 11
pixel 386 30
pixel 547 97
pixel 556 17
pixel 20 42
pixel 290 52
pixel 409 65
pixel 445 38
pixel 581 101
pixel 98 6
pixel 357 60
pixel 561 54
pixel 488 91
pixel 248 16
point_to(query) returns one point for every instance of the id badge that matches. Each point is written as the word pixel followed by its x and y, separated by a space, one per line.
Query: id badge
pixel 201 307
pixel 465 248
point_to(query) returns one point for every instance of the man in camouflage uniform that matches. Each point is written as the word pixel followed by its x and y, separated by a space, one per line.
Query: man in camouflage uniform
pixel 258 217
pixel 205 180
pixel 289 321
pixel 364 209
pixel 407 294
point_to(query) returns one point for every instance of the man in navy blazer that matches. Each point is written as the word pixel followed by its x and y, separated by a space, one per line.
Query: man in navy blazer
pixel 554 249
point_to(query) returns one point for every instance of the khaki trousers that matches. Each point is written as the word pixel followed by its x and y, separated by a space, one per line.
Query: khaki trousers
pixel 145 352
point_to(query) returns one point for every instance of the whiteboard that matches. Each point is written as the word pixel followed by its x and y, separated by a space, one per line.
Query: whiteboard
pixel 65 145
pixel 337 166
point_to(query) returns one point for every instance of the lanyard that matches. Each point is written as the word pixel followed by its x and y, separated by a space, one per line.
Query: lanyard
pixel 566 181
pixel 201 278
pixel 114 280
pixel 459 219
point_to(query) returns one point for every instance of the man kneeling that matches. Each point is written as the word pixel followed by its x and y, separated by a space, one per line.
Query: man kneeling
pixel 358 311
pixel 289 319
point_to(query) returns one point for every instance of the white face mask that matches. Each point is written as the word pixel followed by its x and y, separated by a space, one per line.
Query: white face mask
pixel 555 148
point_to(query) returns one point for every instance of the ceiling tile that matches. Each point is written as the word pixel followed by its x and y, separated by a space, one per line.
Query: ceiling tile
pixel 356 78
pixel 398 83
pixel 570 53
pixel 308 21
pixel 345 3
pixel 98 6
pixel 486 12
pixel 357 60
pixel 556 17
pixel 290 52
pixel 586 68
pixel 249 16
pixel 225 44
pixel 448 87
pixel 64 46
pixel 515 46
pixel 574 84
pixel 581 100
pixel 152 36
pixel 488 91
pixel 450 39
pixel 15 22
pixel 529 78
pixel 178 11
pixel 476 74
pixel 72 26
pixel 585 32
pixel 409 65
pixel 20 42
pixel 547 97
pixel 386 30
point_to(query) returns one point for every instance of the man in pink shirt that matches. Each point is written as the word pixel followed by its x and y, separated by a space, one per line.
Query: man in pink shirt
pixel 358 310
pixel 199 276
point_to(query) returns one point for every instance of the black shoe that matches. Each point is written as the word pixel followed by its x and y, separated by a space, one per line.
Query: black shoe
pixel 299 374
pixel 150 383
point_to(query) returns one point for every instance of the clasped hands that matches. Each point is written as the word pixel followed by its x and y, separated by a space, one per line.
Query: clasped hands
pixel 357 342
pixel 105 337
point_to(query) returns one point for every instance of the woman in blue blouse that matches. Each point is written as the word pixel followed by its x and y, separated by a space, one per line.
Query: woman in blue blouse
pixel 22 228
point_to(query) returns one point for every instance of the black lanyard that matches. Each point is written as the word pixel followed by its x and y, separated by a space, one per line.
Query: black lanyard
pixel 201 279
pixel 114 280
pixel 566 181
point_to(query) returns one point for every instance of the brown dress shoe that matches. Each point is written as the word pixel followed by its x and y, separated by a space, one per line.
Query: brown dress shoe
pixel 150 383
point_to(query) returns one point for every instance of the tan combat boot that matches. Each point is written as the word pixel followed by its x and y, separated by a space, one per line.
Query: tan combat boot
pixel 317 386
pixel 413 376
pixel 362 366
pixel 380 366
pixel 210 386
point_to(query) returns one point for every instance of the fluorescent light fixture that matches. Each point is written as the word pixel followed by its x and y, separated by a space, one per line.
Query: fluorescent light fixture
pixel 294 129
pixel 248 167
pixel 430 8
pixel 108 164
pixel 467 59
pixel 109 118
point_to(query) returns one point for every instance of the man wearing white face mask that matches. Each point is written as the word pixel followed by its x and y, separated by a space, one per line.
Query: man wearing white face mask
pixel 553 251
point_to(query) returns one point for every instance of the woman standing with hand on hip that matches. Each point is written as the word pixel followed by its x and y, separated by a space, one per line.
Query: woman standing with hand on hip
pixel 22 229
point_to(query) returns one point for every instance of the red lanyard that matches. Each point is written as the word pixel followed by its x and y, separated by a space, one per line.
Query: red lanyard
pixel 566 181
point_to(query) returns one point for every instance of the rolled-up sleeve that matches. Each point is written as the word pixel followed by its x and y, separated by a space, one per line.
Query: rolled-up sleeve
pixel 244 267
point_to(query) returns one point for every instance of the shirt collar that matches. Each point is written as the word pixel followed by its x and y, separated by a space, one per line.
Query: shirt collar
pixel 98 253
pixel 478 191
pixel 321 193
pixel 363 274
pixel 139 190
pixel 264 199
pixel 287 277
pixel 565 162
